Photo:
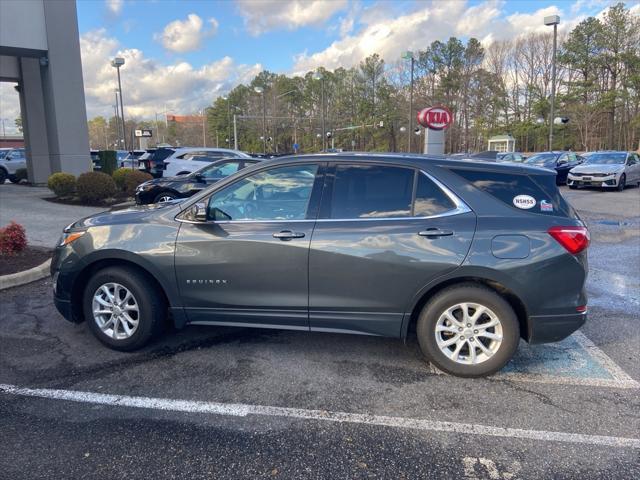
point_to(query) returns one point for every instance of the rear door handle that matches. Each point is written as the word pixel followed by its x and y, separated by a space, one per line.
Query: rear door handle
pixel 435 232
pixel 288 235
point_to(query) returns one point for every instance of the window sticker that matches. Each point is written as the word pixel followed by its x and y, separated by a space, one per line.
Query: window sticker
pixel 546 206
pixel 525 202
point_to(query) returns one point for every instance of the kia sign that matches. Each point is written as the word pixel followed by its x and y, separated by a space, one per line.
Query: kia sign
pixel 435 118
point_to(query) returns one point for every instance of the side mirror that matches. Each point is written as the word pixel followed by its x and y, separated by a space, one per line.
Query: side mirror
pixel 200 212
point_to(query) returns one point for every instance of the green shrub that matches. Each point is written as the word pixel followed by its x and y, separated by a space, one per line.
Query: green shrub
pixel 93 187
pixel 108 160
pixel 119 177
pixel 62 184
pixel 132 179
pixel 21 174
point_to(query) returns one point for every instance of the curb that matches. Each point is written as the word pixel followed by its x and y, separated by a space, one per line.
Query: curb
pixel 27 276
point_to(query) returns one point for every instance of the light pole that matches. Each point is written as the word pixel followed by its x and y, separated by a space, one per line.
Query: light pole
pixel 260 90
pixel 228 100
pixel 204 137
pixel 553 20
pixel 408 55
pixel 117 62
pixel 117 115
pixel 319 76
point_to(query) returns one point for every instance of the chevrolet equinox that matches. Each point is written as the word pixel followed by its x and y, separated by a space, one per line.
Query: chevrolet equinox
pixel 472 256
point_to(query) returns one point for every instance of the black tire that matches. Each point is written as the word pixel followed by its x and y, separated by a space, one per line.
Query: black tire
pixel 166 195
pixel 473 293
pixel 622 183
pixel 13 179
pixel 151 304
pixel 3 175
pixel 573 187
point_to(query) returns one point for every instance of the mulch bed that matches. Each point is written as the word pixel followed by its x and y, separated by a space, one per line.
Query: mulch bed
pixel 109 202
pixel 30 257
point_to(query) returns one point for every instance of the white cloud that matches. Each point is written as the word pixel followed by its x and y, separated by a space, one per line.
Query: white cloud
pixel 149 85
pixel 388 34
pixel 186 35
pixel 114 6
pixel 261 16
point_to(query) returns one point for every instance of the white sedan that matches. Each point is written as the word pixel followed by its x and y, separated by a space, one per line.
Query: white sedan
pixel 606 170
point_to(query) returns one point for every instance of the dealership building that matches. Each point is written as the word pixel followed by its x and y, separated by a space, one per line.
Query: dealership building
pixel 40 53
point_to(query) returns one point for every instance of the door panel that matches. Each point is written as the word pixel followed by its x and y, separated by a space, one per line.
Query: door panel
pixel 249 263
pixel 239 273
pixel 364 274
pixel 365 270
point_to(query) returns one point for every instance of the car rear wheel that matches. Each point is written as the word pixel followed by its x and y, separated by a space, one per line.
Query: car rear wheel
pixel 3 175
pixel 14 179
pixel 122 307
pixel 622 182
pixel 468 330
pixel 164 197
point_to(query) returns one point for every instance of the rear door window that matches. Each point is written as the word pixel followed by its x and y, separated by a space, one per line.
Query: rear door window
pixel 371 191
pixel 430 199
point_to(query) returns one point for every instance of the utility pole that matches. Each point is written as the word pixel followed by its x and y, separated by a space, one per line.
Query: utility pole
pixel 409 55
pixel 260 90
pixel 117 115
pixel 319 76
pixel 553 20
pixel 235 132
pixel 204 137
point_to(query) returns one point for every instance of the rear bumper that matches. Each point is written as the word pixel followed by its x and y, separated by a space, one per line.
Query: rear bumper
pixel 553 328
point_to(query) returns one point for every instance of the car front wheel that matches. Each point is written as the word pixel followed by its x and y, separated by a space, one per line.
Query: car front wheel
pixel 468 330
pixel 123 308
pixel 622 182
pixel 164 197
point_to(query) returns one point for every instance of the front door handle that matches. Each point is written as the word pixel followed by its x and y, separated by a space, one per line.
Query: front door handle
pixel 288 235
pixel 435 232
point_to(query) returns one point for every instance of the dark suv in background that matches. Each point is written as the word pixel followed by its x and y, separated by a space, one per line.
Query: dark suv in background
pixel 165 189
pixel 473 256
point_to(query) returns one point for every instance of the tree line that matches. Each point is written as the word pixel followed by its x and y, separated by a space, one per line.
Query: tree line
pixel 503 88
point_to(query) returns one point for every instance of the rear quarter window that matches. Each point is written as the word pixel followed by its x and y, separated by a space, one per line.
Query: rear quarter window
pixel 506 187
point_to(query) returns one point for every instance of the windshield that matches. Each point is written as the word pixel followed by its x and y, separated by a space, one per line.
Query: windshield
pixel 542 158
pixel 606 158
pixel 3 153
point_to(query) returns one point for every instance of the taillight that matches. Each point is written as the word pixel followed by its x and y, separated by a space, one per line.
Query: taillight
pixel 574 239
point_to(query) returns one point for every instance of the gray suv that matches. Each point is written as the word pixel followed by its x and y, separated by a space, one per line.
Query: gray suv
pixel 471 256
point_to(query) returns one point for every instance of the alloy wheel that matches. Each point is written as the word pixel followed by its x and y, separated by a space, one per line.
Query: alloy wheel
pixel 115 311
pixel 468 333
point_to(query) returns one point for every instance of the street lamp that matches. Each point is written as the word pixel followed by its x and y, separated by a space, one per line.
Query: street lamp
pixel 548 21
pixel 228 100
pixel 117 62
pixel 260 90
pixel 408 55
pixel 318 76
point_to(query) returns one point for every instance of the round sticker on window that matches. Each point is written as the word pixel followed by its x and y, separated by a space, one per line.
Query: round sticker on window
pixel 524 201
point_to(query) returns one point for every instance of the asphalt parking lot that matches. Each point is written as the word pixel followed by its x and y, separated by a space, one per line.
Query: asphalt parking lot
pixel 240 403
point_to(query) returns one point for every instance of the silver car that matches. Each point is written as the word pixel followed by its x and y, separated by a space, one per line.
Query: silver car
pixel 606 170
pixel 12 160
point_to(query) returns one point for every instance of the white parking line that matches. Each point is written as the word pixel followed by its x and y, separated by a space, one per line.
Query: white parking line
pixel 243 410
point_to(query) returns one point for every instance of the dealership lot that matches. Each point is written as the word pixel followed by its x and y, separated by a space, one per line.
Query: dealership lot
pixel 238 403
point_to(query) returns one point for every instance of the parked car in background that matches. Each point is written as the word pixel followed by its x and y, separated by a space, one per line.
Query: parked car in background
pixel 188 160
pixel 511 157
pixel 169 188
pixel 11 161
pixel 561 162
pixel 132 158
pixel 473 255
pixel 611 169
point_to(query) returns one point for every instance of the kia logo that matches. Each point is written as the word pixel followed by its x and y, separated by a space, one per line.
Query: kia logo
pixel 435 118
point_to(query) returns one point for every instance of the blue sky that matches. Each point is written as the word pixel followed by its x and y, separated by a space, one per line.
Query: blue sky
pixel 181 55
